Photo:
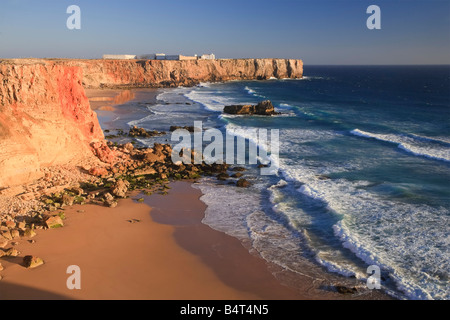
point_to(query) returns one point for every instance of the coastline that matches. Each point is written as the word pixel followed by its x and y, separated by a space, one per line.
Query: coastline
pixel 220 267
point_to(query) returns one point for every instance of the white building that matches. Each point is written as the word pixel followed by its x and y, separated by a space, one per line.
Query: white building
pixel 173 57
pixel 208 56
pixel 119 56
pixel 151 56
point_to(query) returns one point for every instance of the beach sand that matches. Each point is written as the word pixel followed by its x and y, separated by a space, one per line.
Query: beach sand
pixel 169 254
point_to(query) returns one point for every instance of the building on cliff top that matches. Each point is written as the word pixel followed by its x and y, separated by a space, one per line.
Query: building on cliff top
pixel 179 57
pixel 119 56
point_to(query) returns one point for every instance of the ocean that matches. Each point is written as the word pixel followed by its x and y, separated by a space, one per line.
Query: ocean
pixel 363 171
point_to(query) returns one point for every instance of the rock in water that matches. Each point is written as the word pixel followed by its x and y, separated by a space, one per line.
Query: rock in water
pixel 243 183
pixel 346 290
pixel 31 262
pixel 239 109
pixel 264 108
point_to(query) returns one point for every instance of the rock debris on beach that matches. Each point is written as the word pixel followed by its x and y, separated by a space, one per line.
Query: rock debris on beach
pixel 31 262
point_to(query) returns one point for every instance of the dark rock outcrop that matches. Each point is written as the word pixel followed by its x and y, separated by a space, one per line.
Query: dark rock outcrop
pixel 264 108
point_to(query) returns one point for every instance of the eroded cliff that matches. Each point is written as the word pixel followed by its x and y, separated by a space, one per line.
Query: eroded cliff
pixel 45 117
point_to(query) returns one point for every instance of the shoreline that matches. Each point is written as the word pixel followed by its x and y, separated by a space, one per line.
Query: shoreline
pixel 241 274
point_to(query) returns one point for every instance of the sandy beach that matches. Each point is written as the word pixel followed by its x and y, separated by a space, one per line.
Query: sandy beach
pixel 168 254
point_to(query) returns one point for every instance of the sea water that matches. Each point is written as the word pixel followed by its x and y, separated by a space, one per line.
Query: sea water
pixel 364 171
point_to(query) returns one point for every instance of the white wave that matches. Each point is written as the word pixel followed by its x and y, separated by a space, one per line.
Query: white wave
pixel 409 241
pixel 250 91
pixel 305 78
pixel 210 99
pixel 416 146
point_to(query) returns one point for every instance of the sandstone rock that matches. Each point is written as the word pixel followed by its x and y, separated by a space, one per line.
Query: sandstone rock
pixel 21 225
pixel 1 267
pixel 239 169
pixel 239 109
pixel 29 233
pixel 15 234
pixel 98 171
pixel 120 188
pixel 103 152
pixel 12 252
pixel 111 203
pixel 10 224
pixel 129 146
pixel 7 235
pixel 108 197
pixel 3 242
pixel 237 175
pixel 152 157
pixel 144 171
pixel 54 222
pixel 243 183
pixel 68 200
pixel 31 262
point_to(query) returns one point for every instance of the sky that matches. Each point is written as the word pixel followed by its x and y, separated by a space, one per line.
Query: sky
pixel 316 31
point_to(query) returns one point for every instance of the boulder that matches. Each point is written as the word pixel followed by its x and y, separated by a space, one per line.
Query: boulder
pixel 243 183
pixel 239 109
pixel 68 200
pixel 3 242
pixel 151 158
pixel 7 235
pixel 346 290
pixel 111 203
pixel 223 176
pixel 120 188
pixel 12 252
pixel 15 234
pixel 31 262
pixel 129 146
pixel 98 171
pixel 103 152
pixel 54 222
pixel 29 233
pixel 264 108
pixel 10 224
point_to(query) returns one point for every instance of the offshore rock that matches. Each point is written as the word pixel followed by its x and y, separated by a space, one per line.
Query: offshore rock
pixel 264 108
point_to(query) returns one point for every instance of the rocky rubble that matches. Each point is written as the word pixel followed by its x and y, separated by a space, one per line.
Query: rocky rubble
pixel 123 169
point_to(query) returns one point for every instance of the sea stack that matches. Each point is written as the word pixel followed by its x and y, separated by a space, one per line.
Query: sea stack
pixel 264 108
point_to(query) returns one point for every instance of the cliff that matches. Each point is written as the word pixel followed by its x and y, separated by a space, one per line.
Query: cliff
pixel 45 117
pixel 157 73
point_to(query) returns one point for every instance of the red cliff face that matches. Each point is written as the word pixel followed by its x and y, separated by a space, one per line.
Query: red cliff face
pixel 45 117
pixel 155 73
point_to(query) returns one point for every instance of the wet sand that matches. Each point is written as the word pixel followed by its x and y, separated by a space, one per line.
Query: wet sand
pixel 169 254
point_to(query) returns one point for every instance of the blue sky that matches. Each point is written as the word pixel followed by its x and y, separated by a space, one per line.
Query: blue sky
pixel 317 31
